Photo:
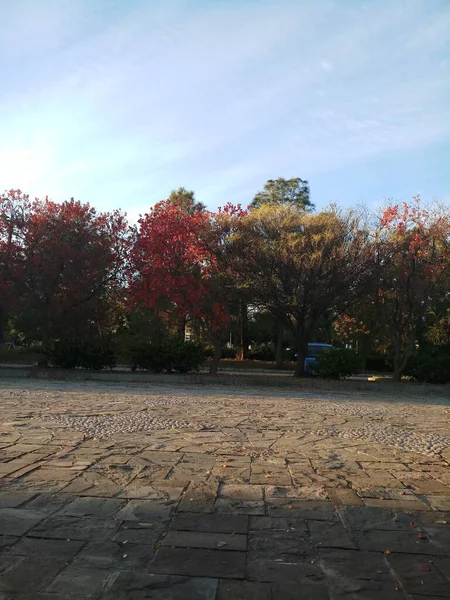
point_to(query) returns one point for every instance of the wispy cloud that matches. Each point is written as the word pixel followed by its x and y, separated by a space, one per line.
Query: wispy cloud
pixel 118 102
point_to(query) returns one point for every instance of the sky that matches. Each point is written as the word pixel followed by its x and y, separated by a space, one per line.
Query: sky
pixel 117 102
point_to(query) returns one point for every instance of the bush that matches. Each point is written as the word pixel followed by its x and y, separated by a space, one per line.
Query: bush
pixel 93 353
pixel 335 363
pixel 261 352
pixel 430 366
pixel 166 355
pixel 21 354
pixel 228 352
pixel 379 363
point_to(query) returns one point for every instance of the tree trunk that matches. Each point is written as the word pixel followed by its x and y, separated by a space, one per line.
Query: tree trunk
pixel 213 369
pixel 401 358
pixel 243 331
pixel 181 327
pixel 398 360
pixel 302 351
pixel 302 333
pixel 279 345
pixel 2 325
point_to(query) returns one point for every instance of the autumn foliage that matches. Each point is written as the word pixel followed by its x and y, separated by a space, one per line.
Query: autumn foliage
pixel 62 264
pixel 72 277
pixel 174 266
pixel 411 257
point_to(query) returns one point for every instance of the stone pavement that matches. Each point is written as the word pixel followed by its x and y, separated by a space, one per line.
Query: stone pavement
pixel 165 492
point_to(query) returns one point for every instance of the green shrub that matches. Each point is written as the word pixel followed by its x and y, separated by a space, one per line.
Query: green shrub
pixel 336 363
pixel 65 354
pixel 21 354
pixel 430 366
pixel 379 363
pixel 97 356
pixel 93 353
pixel 166 355
pixel 261 352
pixel 227 352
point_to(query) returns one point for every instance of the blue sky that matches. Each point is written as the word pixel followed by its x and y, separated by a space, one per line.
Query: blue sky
pixel 116 102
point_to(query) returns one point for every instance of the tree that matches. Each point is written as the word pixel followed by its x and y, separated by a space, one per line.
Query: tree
pixel 282 191
pixel 301 266
pixel 186 199
pixel 67 267
pixel 411 252
pixel 13 209
pixel 176 261
pixel 293 191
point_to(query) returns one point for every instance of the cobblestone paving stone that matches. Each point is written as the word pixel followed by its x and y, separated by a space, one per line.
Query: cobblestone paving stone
pixel 172 492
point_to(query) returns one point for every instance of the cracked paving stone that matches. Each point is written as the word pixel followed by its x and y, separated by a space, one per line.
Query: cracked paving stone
pixel 213 523
pixel 48 503
pixel 140 490
pixel 17 521
pixel 241 492
pixel 201 539
pixel 82 581
pixel 244 590
pixel 197 562
pixel 114 555
pixel 359 589
pixel 440 536
pixel 26 573
pixel 419 575
pixel 352 564
pixel 147 511
pixel 304 509
pixel 291 569
pixel 314 591
pixel 199 497
pixel 326 534
pixel 275 544
pixel 397 541
pixel 62 549
pixel 367 518
pixel 134 532
pixel 7 541
pixel 103 508
pixel 76 528
pixel 242 507
pixel 15 499
pixel 289 523
pixel 136 585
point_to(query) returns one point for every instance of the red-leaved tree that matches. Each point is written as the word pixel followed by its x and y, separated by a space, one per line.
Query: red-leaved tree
pixel 65 265
pixel 411 254
pixel 176 262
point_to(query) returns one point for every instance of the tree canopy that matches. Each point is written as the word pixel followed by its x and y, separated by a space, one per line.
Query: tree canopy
pixel 293 191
